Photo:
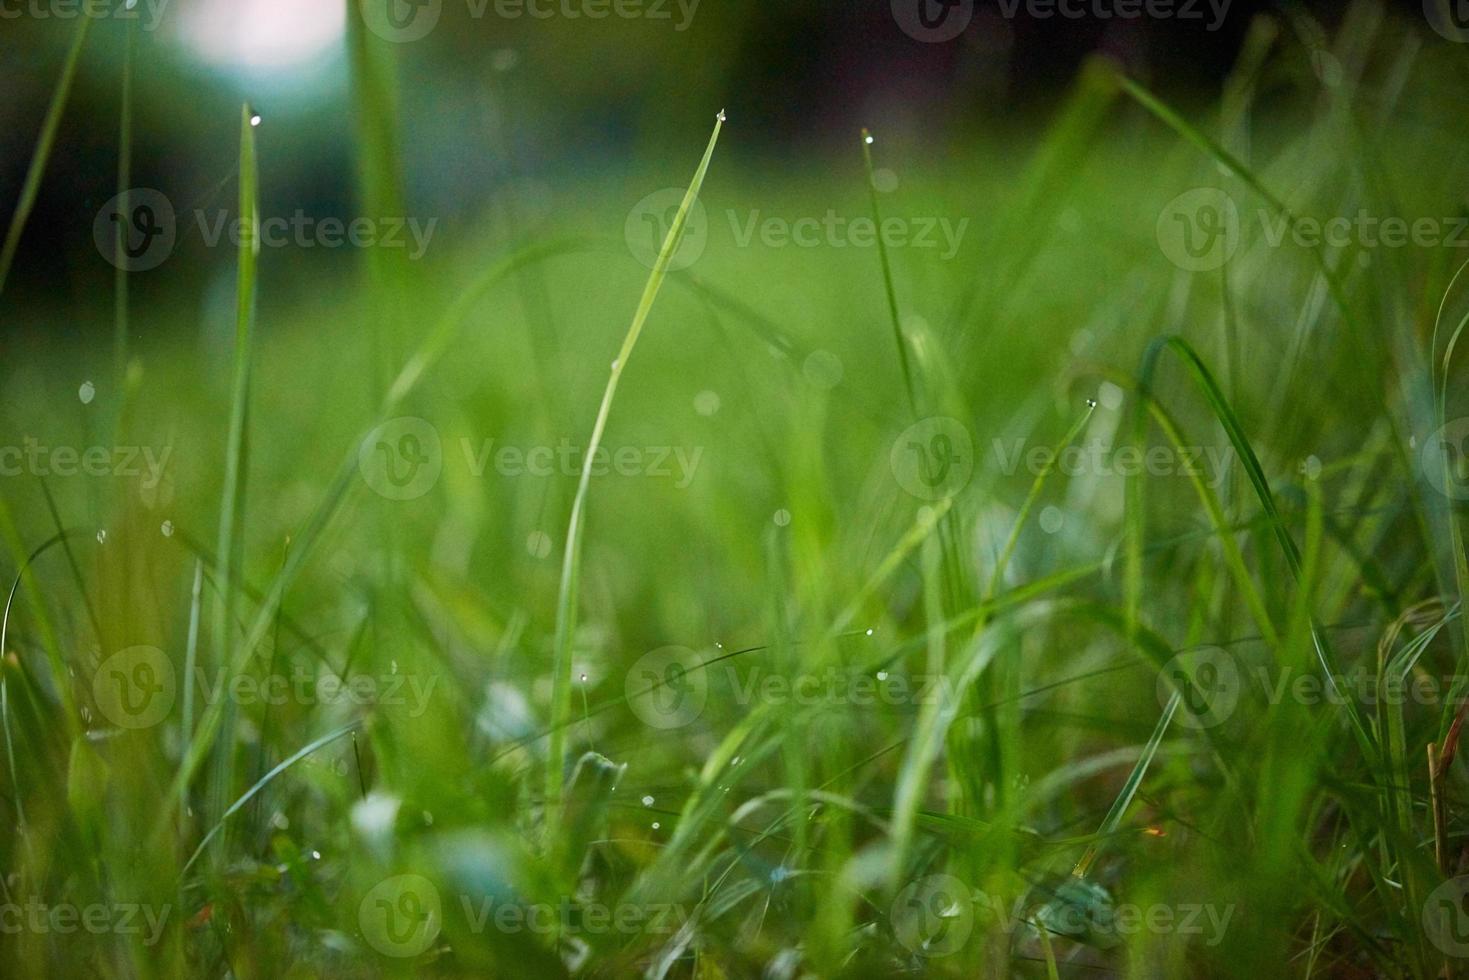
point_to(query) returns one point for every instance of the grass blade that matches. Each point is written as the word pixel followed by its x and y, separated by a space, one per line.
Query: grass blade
pixel 42 154
pixel 571 560
pixel 232 505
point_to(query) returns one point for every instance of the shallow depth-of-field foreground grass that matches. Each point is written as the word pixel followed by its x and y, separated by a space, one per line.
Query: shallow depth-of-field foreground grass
pixel 341 655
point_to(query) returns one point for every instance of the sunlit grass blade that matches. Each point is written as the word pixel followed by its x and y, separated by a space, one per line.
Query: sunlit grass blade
pixel 232 505
pixel 571 560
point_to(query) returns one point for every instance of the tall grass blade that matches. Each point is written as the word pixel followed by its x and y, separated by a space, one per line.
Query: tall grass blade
pixel 571 560
pixel 232 505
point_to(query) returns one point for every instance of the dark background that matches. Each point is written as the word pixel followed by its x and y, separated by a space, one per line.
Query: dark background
pixel 487 103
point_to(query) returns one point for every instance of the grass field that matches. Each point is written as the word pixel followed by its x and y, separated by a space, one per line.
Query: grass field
pixel 1057 573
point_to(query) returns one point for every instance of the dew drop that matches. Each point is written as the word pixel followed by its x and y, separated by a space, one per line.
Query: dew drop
pixel 102 536
pixel 869 631
pixel 1051 520
pixel 583 678
pixel 782 517
pixel 254 119
pixel 1091 403
pixel 706 403
pixel 867 139
pixel 538 544
pixel 87 392
pixel 882 675
pixel 316 855
pixel 167 529
pixel 721 117
pixel 615 362
pixel 647 801
pixel 656 825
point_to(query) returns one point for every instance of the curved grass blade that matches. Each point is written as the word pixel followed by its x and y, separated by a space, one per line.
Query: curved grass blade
pixel 571 559
pixel 1256 474
pixel 261 783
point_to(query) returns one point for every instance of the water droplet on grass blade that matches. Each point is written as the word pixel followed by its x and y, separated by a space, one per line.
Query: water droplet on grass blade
pixel 706 403
pixel 87 392
pixel 647 801
pixel 167 529
pixel 102 536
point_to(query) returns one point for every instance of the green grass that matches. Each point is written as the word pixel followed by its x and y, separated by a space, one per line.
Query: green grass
pixel 512 751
